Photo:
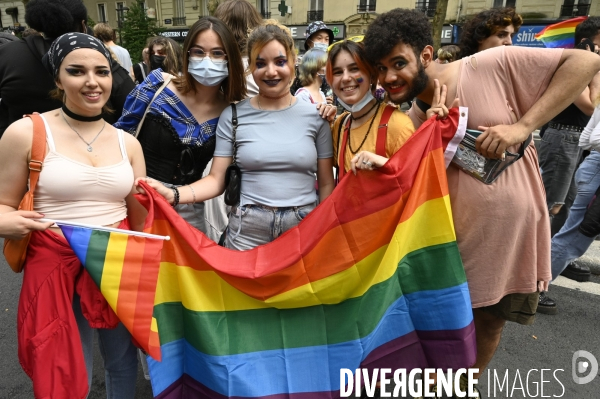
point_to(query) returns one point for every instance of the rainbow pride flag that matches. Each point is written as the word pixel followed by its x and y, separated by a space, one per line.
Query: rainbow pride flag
pixel 372 278
pixel 125 268
pixel 560 35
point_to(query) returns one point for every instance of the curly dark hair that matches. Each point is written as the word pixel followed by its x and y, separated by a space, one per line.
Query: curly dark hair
pixel 484 25
pixel 588 29
pixel 55 17
pixel 397 26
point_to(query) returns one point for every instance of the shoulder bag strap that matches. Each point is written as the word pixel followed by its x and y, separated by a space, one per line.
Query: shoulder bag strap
pixel 382 130
pixel 38 150
pixel 160 89
pixel 524 146
pixel 342 153
pixel 234 123
pixel 143 69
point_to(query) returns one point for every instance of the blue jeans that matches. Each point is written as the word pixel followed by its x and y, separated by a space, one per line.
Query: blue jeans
pixel 118 352
pixel 253 225
pixel 569 244
pixel 559 154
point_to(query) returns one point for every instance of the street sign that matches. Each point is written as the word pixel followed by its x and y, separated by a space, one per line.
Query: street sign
pixel 168 21
pixel 526 36
pixel 175 34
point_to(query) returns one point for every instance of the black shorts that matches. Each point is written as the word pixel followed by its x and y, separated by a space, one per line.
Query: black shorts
pixel 519 308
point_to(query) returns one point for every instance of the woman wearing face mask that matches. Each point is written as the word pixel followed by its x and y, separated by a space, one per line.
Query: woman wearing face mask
pixel 280 142
pixel 165 53
pixel 355 133
pixel 178 132
pixel 312 75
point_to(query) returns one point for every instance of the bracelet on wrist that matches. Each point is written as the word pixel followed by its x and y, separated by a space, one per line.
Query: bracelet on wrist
pixel 175 196
pixel 193 194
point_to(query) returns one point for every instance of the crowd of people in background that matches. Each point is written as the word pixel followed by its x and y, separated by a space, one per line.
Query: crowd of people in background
pixel 233 94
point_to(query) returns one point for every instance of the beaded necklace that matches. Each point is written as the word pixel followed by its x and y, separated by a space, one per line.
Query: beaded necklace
pixel 349 127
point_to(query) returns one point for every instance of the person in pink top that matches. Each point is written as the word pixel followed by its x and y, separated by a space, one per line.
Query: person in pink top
pixel 502 229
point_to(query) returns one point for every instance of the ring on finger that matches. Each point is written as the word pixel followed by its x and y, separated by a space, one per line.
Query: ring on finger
pixel 365 162
pixel 369 164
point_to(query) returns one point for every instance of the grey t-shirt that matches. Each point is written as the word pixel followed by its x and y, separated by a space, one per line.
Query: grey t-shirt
pixel 277 152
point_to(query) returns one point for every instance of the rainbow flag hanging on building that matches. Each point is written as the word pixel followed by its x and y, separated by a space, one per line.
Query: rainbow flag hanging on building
pixel 372 278
pixel 560 35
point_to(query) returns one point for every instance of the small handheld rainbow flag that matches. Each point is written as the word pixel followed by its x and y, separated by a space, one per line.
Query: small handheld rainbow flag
pixel 560 35
pixel 124 264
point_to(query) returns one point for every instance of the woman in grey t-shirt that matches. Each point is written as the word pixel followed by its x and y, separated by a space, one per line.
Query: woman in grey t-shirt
pixel 281 144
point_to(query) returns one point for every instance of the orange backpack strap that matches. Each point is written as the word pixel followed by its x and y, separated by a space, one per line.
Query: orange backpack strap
pixel 38 150
pixel 382 130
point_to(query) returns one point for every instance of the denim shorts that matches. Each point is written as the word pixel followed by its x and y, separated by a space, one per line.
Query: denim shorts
pixel 253 225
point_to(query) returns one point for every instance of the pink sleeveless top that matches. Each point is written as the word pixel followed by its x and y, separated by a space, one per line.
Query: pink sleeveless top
pixel 72 191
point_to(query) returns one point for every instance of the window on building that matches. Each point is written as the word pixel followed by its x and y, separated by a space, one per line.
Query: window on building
pixel 316 5
pixel 120 13
pixel 575 8
pixel 366 5
pixel 102 13
pixel 315 10
pixel 178 12
pixel 427 7
pixel 505 3
pixel 265 9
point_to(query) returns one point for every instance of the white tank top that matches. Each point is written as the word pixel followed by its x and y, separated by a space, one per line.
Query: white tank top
pixel 72 191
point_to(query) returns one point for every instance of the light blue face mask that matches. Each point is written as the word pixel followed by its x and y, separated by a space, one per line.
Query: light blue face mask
pixel 208 73
pixel 360 104
pixel 320 46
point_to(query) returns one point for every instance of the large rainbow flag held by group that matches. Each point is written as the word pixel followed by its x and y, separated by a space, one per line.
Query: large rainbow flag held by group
pixel 371 278
pixel 560 35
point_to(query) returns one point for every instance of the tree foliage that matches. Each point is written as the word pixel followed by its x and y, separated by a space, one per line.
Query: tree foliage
pixel 212 6
pixel 136 29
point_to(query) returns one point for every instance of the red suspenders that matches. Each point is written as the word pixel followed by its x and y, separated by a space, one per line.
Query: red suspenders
pixel 381 138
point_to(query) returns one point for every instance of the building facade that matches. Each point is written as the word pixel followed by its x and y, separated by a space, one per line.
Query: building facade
pixel 12 15
pixel 345 17
pixel 351 17
pixel 108 11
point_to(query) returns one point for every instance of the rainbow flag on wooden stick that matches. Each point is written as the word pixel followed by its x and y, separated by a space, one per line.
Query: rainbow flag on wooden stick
pixel 372 278
pixel 560 35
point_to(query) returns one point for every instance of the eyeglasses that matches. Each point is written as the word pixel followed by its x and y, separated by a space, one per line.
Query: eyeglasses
pixel 215 55
pixel 356 39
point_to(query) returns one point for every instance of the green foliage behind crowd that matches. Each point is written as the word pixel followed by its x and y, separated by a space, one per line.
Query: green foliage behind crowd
pixel 136 29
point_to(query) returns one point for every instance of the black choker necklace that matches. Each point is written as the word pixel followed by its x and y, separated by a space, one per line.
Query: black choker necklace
pixel 77 117
pixel 366 113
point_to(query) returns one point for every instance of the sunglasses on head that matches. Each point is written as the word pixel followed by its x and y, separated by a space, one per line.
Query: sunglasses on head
pixel 356 39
